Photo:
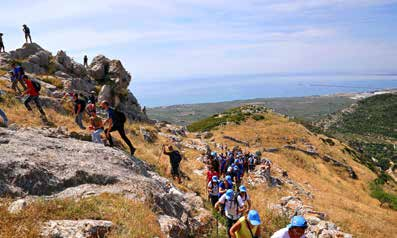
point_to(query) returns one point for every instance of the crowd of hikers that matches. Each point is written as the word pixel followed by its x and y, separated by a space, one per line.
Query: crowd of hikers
pixel 229 196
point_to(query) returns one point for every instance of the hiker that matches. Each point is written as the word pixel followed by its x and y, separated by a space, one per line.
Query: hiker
pixel 96 127
pixel 115 122
pixel 213 190
pixel 247 226
pixel 226 184
pixel 26 30
pixel 32 91
pixel 18 73
pixel 175 160
pixel 85 61
pixel 92 98
pixel 296 229
pixel 2 43
pixel 232 208
pixel 210 173
pixel 90 108
pixel 4 117
pixel 79 107
pixel 14 83
pixel 245 198
pixel 251 163
pixel 214 161
pixel 268 166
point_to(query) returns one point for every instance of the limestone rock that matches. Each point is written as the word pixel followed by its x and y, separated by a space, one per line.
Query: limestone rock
pixel 172 227
pixel 17 206
pixel 27 50
pixel 76 229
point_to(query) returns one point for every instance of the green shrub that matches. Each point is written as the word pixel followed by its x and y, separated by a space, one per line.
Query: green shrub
pixel 258 117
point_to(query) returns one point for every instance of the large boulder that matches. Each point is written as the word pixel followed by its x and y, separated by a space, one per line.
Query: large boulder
pixel 27 50
pixel 33 68
pixel 66 64
pixel 99 67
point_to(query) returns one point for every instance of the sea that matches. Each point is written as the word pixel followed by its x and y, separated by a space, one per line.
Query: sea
pixel 153 93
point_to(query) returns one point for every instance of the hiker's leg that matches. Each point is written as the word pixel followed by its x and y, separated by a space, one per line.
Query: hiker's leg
pixel 37 101
pixel 30 38
pixel 109 137
pixel 229 225
pixel 4 117
pixel 121 131
pixel 20 80
pixel 27 103
pixel 96 136
pixel 79 120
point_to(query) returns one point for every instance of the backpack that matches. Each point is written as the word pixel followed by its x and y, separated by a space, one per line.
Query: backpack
pixel 178 157
pixel 36 85
pixel 119 117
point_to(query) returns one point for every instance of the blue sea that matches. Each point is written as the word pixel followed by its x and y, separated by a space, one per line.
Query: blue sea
pixel 152 93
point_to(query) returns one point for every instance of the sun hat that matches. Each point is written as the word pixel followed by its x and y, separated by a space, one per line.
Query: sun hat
pixel 254 218
pixel 242 188
pixel 214 179
pixel 229 194
pixel 298 221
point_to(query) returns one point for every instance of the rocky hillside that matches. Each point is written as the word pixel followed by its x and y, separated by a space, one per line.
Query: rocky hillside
pixel 48 166
pixel 314 175
pixel 61 74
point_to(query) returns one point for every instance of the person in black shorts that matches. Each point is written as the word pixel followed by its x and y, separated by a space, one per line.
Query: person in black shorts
pixel 175 160
pixel 26 30
pixel 115 123
pixel 1 43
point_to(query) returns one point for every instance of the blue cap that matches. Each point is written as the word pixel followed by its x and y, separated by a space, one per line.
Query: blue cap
pixel 229 178
pixel 235 167
pixel 229 194
pixel 213 153
pixel 214 179
pixel 243 189
pixel 298 221
pixel 253 218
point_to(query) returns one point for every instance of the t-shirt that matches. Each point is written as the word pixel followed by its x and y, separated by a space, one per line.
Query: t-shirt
pixel 31 90
pixel 231 207
pixel 18 72
pixel 211 174
pixel 80 102
pixel 96 122
pixel 111 114
pixel 174 157
pixel 214 188
pixel 283 233
pixel 244 199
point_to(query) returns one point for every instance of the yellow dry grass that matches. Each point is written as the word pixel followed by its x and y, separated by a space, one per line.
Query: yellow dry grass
pixel 130 218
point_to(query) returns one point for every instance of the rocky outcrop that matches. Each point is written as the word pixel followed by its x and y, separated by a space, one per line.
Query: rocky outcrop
pixel 76 229
pixel 237 140
pixel 115 80
pixel 48 164
pixel 67 65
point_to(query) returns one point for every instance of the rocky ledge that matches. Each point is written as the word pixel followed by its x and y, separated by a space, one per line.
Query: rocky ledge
pixel 47 164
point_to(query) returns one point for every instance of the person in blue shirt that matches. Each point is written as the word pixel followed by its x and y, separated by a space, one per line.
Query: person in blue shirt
pixel 115 124
pixel 18 74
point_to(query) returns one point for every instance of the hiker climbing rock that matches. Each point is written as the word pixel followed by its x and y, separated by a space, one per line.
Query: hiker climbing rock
pixel 213 190
pixel 18 73
pixel 233 208
pixel 211 173
pixel 96 128
pixel 247 226
pixel 33 89
pixel 14 83
pixel 2 43
pixel 115 122
pixel 26 30
pixel 296 229
pixel 85 61
pixel 79 107
pixel 175 160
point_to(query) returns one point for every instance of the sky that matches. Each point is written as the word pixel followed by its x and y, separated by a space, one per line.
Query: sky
pixel 165 40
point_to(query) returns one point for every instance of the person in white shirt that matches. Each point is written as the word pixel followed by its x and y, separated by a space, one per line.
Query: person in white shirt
pixel 244 197
pixel 294 230
pixel 213 190
pixel 233 208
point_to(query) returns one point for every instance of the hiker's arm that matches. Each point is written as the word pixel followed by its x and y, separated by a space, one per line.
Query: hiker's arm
pixel 249 204
pixel 235 228
pixel 78 108
pixel 217 204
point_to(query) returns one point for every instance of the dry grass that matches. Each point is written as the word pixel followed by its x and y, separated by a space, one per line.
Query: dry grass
pixel 346 201
pixel 131 218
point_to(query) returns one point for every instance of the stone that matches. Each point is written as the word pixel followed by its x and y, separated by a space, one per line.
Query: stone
pixel 44 58
pixel 32 68
pixel 26 50
pixel 172 227
pixel 98 67
pixel 17 206
pixel 105 94
pixel 148 135
pixel 34 59
pixel 76 229
pixel 61 74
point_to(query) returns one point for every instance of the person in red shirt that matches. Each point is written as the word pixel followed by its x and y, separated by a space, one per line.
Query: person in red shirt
pixel 210 173
pixel 33 94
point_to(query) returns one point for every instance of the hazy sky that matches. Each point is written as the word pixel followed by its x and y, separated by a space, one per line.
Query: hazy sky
pixel 164 40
